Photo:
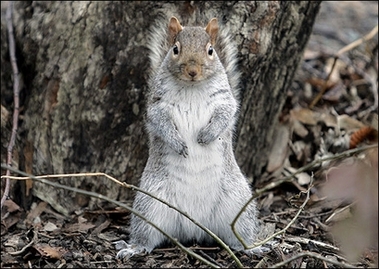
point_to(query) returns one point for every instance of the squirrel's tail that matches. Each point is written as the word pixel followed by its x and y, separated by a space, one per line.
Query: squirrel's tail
pixel 158 44
pixel 225 47
pixel 227 51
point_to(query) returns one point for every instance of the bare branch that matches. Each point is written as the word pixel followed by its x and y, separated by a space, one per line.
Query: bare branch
pixel 16 91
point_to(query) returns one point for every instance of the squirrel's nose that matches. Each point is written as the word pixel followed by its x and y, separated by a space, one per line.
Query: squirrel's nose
pixel 192 71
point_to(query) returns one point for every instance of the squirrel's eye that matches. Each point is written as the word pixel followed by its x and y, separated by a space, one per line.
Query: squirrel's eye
pixel 210 51
pixel 175 49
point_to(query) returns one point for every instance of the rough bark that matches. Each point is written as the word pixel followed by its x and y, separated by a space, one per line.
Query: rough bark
pixel 85 66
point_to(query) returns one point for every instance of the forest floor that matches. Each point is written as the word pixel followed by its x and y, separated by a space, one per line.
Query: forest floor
pixel 310 229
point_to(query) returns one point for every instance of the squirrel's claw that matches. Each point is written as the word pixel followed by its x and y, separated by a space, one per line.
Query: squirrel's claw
pixel 184 151
pixel 204 137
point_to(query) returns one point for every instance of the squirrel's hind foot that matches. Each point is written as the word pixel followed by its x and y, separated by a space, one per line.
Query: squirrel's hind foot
pixel 261 250
pixel 126 250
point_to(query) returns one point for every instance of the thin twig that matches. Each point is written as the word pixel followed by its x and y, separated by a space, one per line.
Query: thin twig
pixel 275 184
pixel 16 99
pixel 306 241
pixel 348 47
pixel 287 226
pixel 313 255
pixel 358 42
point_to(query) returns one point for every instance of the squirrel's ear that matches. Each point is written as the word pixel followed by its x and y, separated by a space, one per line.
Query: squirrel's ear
pixel 212 30
pixel 174 28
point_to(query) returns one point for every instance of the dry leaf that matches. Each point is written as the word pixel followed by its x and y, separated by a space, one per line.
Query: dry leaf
pixel 348 123
pixel 320 83
pixel 304 115
pixel 11 206
pixel 49 227
pixel 335 93
pixel 51 252
pixel 299 129
pixel 9 221
pixel 329 120
pixel 4 116
pixel 279 151
pixel 35 212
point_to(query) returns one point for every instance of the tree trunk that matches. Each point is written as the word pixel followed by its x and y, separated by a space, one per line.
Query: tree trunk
pixel 85 66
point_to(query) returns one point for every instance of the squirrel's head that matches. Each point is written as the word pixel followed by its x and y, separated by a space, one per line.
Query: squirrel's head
pixel 192 54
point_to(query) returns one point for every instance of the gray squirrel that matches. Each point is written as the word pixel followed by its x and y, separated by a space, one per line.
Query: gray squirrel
pixel 191 114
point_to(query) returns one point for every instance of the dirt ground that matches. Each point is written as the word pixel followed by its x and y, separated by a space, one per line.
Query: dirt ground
pixel 319 232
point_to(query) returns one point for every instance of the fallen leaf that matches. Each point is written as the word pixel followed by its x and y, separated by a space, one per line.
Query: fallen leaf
pixel 299 129
pixel 11 206
pixel 12 219
pixel 329 120
pixel 304 115
pixel 49 227
pixel 279 151
pixel 335 93
pixel 35 212
pixel 51 252
pixel 101 227
pixel 348 123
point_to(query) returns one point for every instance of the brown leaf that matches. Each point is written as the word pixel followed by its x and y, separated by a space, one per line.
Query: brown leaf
pixel 49 227
pixel 35 212
pixel 51 252
pixel 348 123
pixel 279 151
pixel 101 227
pixel 9 221
pixel 335 93
pixel 11 206
pixel 320 83
pixel 4 116
pixel 304 115
pixel 299 129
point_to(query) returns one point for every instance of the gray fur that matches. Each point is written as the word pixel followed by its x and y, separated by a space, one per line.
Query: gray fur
pixel 191 164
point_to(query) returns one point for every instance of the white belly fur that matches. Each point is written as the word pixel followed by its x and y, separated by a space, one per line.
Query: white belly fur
pixel 194 179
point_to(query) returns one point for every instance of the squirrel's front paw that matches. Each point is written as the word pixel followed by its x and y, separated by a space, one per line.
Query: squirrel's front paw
pixel 205 137
pixel 181 148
